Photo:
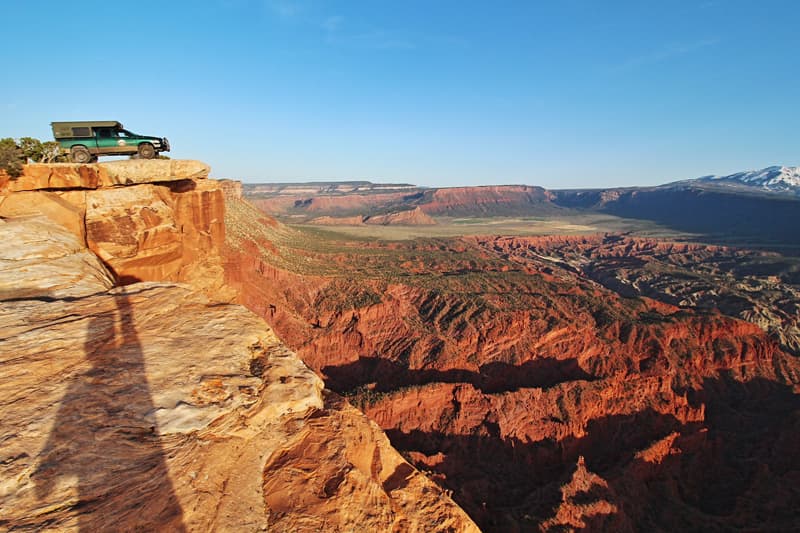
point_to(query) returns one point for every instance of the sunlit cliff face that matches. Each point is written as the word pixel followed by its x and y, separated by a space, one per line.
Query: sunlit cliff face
pixel 135 396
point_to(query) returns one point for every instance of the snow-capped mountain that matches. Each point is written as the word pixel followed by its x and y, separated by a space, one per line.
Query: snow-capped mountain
pixel 775 179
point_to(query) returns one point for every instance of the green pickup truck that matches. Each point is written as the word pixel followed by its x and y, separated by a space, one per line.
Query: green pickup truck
pixel 86 140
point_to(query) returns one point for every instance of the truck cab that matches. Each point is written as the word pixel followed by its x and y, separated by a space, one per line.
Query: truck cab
pixel 84 141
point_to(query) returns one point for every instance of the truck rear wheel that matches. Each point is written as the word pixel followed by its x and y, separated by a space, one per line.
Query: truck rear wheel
pixel 79 154
pixel 146 151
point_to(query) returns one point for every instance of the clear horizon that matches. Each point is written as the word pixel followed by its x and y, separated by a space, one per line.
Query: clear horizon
pixel 571 94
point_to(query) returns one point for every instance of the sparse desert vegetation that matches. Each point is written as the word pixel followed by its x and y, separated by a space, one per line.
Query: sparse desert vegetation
pixel 505 366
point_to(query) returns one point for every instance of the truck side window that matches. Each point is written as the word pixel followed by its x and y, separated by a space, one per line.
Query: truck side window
pixel 81 132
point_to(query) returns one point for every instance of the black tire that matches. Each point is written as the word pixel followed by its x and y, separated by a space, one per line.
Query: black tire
pixel 146 151
pixel 79 154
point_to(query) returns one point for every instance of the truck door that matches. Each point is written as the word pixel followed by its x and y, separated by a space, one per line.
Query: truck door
pixel 108 141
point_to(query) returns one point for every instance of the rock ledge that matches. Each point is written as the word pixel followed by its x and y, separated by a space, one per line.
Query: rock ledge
pixel 56 176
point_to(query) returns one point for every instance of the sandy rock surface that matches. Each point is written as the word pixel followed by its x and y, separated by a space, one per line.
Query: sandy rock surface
pixel 109 401
pixel 39 259
pixel 65 208
pixel 150 408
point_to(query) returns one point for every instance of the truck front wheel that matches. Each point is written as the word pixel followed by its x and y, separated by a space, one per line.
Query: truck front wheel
pixel 146 151
pixel 79 154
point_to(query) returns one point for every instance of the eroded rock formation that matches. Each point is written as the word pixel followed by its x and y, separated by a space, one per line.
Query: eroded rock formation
pixel 410 217
pixel 542 398
pixel 487 200
pixel 55 263
pixel 149 406
pixel 231 188
pixel 756 286
pixel 335 202
pixel 158 220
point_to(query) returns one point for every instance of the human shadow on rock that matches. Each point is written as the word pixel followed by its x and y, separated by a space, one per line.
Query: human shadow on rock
pixel 105 437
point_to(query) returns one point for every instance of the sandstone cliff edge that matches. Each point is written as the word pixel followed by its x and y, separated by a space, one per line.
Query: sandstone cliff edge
pixel 135 396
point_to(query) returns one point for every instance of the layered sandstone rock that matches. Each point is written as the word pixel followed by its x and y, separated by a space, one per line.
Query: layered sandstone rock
pixel 65 208
pixel 40 176
pixel 231 188
pixel 760 287
pixel 412 217
pixel 136 171
pixel 49 176
pixel 341 473
pixel 167 224
pixel 336 205
pixel 373 201
pixel 159 232
pixel 150 407
pixel 588 503
pixel 491 200
pixel 39 259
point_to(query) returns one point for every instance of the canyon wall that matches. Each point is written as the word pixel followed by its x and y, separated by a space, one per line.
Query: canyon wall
pixel 757 286
pixel 488 200
pixel 538 392
pixel 716 212
pixel 135 397
pixel 307 202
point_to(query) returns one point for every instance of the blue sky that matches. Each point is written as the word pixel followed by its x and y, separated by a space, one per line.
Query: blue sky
pixel 570 93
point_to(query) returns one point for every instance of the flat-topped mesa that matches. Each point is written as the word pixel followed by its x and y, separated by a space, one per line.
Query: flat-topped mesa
pixel 147 220
pixel 59 176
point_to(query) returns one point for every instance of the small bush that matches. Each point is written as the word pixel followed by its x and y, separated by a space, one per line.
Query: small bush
pixel 41 152
pixel 11 157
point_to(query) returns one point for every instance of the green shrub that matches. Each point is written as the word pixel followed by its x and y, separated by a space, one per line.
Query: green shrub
pixel 41 152
pixel 11 157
